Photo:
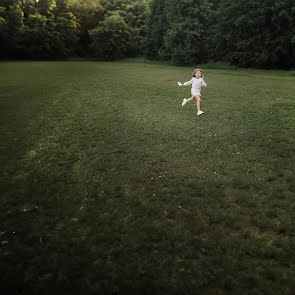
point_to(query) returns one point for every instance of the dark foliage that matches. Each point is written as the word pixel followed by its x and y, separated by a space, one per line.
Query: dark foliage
pixel 245 33
pixel 57 29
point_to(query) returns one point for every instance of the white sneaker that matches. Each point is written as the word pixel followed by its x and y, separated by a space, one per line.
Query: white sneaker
pixel 179 84
pixel 183 102
pixel 200 113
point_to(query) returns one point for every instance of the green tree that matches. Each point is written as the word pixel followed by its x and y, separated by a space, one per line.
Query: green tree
pixel 3 31
pixel 187 40
pixel 11 26
pixel 134 15
pixel 45 7
pixel 157 26
pixel 111 6
pixel 67 27
pixel 34 38
pixel 256 33
pixel 89 14
pixel 112 39
pixel 180 30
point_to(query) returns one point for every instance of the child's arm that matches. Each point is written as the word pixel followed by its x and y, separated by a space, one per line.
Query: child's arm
pixel 203 83
pixel 187 83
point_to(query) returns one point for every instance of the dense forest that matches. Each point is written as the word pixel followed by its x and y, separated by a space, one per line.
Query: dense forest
pixel 246 33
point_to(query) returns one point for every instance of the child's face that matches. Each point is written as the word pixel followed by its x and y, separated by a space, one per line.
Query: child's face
pixel 198 74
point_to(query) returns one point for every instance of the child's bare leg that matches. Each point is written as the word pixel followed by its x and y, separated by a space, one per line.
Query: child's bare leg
pixel 190 99
pixel 198 103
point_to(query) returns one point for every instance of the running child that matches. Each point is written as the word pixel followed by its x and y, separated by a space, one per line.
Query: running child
pixel 197 81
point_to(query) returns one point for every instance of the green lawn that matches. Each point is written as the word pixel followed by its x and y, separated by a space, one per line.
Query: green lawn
pixel 109 186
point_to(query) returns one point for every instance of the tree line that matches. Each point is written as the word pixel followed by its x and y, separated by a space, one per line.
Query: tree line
pixel 107 29
pixel 246 33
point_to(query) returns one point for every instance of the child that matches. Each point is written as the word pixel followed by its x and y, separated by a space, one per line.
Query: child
pixel 197 81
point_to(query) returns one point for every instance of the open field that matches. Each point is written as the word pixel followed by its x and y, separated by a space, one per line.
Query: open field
pixel 109 186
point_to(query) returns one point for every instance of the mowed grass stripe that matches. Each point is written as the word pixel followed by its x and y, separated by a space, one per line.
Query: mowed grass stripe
pixel 111 186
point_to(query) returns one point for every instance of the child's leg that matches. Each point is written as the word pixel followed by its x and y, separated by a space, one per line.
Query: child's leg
pixel 198 102
pixel 190 99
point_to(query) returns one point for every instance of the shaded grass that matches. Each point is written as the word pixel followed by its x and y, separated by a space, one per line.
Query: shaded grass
pixel 110 187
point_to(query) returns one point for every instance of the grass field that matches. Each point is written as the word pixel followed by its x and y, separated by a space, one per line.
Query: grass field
pixel 109 186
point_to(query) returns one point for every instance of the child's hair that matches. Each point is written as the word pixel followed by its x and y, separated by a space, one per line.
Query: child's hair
pixel 196 70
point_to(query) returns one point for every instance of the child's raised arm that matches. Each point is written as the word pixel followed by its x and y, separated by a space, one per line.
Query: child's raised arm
pixel 185 83
pixel 188 82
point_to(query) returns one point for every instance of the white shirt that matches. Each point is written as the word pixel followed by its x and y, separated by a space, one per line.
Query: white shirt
pixel 196 85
